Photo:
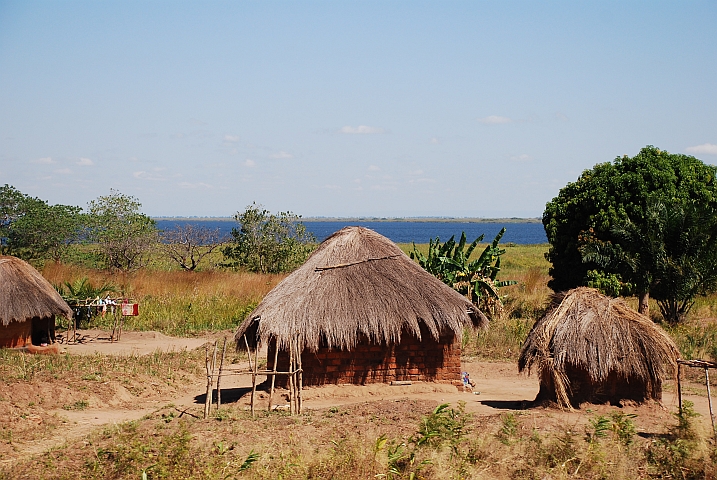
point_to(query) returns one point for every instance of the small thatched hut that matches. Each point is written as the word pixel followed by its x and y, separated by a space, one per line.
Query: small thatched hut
pixel 28 305
pixel 593 348
pixel 360 311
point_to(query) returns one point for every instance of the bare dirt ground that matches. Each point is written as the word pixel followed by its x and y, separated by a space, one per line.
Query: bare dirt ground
pixel 90 342
pixel 499 388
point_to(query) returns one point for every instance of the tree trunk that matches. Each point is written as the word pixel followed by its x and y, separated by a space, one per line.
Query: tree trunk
pixel 643 305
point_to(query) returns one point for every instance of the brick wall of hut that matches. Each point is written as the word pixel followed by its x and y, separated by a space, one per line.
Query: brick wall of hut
pixel 424 360
pixel 15 334
pixel 18 334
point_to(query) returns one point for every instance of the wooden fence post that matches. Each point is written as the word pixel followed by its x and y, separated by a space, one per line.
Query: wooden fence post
pixel 219 377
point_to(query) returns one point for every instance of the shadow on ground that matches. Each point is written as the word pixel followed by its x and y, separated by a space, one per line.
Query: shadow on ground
pixel 508 404
pixel 229 395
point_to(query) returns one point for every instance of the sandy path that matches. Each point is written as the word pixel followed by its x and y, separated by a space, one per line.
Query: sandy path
pixel 131 343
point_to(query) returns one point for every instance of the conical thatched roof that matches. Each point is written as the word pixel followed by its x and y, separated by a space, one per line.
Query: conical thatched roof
pixel 357 284
pixel 601 336
pixel 25 294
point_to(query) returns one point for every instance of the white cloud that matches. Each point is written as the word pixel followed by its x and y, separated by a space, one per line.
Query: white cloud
pixel 133 159
pixel 374 168
pixel 85 162
pixel 231 138
pixel 194 185
pixel 494 120
pixel 282 155
pixel 416 172
pixel 435 140
pixel 63 171
pixel 422 180
pixel 523 157
pixel 384 187
pixel 43 161
pixel 561 116
pixel 705 148
pixel 361 129
pixel 249 163
pixel 143 175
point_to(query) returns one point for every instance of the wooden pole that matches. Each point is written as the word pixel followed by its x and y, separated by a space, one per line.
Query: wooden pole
pixel 679 386
pixel 253 377
pixel 273 377
pixel 301 379
pixel 709 399
pixel 208 397
pixel 114 328
pixel 248 353
pixel 291 377
pixel 219 378
pixel 121 324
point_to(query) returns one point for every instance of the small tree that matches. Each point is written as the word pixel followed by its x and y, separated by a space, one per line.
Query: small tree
pixel 188 244
pixel 124 234
pixel 268 243
pixel 476 279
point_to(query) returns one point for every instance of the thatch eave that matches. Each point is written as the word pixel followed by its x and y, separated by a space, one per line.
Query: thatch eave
pixel 600 336
pixel 26 294
pixel 357 285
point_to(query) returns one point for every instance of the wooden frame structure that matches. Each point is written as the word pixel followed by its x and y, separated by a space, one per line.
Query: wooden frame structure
pixel 706 365
pixel 295 374
pixel 115 307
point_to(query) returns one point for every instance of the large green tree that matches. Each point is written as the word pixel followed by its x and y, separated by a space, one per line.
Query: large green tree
pixel 607 226
pixel 125 235
pixel 33 229
pixel 268 243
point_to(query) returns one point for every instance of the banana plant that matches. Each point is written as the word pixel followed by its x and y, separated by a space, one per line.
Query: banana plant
pixel 476 280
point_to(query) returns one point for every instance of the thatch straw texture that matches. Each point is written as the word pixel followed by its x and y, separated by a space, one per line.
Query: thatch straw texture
pixel 591 347
pixel 25 294
pixel 357 285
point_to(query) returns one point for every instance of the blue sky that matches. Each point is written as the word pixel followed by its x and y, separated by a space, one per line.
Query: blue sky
pixel 478 109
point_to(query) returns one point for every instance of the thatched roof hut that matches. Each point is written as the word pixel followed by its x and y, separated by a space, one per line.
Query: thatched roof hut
pixel 593 348
pixel 357 290
pixel 28 304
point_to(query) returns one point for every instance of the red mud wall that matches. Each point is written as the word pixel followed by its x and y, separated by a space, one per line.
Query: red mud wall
pixel 416 360
pixel 15 334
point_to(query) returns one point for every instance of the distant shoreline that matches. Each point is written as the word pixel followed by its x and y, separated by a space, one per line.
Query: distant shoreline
pixel 370 219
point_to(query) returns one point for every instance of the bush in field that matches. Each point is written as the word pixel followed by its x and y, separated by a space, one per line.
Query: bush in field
pixel 124 234
pixel 268 243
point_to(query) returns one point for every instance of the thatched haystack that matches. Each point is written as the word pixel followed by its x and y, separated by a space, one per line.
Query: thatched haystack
pixel 593 348
pixel 28 305
pixel 361 311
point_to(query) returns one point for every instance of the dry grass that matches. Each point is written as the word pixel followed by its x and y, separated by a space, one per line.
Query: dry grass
pixel 177 302
pixel 384 439
pixel 178 283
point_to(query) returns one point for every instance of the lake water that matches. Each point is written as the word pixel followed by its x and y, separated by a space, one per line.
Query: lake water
pixel 403 232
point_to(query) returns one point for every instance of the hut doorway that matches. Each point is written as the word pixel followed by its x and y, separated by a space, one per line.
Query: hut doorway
pixel 42 331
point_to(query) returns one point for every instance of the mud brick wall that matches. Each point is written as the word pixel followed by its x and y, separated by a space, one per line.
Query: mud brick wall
pixel 15 334
pixel 425 360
